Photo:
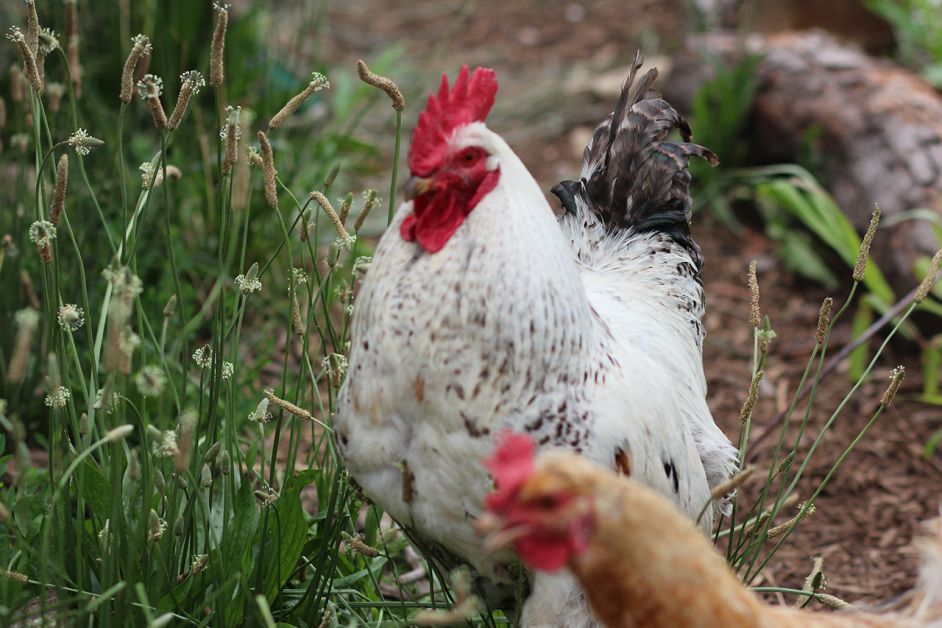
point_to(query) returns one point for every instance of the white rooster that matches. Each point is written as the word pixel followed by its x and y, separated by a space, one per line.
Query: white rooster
pixel 483 312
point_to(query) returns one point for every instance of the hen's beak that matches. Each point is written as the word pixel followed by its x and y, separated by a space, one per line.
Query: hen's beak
pixel 497 535
pixel 417 186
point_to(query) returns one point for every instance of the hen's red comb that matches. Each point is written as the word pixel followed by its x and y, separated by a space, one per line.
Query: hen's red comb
pixel 511 465
pixel 469 100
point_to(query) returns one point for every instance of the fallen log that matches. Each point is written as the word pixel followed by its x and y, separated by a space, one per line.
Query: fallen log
pixel 878 128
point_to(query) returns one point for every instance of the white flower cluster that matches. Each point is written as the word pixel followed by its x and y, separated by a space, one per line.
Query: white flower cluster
pixel 232 119
pixel 157 528
pixel 128 341
pixel 347 241
pixel 249 282
pixel 199 560
pixel 48 41
pixel 319 81
pixel 150 86
pixel 166 445
pixel 147 174
pixel 59 397
pixel 26 318
pixel 83 143
pixel 42 232
pixel 55 89
pixel 106 405
pixel 124 283
pixel 15 34
pixel 335 365
pixel 194 80
pixel 142 43
pixel 71 317
pixel 203 357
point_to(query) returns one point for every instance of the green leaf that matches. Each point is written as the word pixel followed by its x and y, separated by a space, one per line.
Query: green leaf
pixel 800 256
pixel 94 487
pixel 251 454
pixel 931 367
pixel 236 546
pixel 28 513
pixel 804 198
pixel 931 445
pixel 280 541
pixel 243 524
pixel 860 356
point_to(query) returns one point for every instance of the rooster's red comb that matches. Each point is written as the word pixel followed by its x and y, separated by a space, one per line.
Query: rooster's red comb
pixel 511 465
pixel 469 100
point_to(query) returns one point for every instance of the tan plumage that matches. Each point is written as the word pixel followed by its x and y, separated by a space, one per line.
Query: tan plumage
pixel 646 564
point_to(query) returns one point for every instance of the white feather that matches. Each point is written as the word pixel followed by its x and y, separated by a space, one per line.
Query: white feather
pixel 517 325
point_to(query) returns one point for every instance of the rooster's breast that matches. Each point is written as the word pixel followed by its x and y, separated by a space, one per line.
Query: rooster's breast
pixel 415 416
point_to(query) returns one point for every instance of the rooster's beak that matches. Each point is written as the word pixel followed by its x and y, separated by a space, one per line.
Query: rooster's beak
pixel 417 186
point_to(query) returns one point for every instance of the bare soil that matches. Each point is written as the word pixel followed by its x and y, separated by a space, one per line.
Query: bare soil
pixel 867 516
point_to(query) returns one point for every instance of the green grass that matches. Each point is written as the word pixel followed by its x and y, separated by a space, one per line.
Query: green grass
pixel 918 28
pixel 145 491
pixel 193 512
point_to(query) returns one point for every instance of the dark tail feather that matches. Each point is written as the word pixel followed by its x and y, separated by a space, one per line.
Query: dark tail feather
pixel 631 175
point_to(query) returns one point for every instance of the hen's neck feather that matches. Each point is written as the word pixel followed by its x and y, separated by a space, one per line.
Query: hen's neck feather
pixel 648 565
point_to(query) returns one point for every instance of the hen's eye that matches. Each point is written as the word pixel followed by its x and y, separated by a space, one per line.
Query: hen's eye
pixel 469 157
pixel 547 502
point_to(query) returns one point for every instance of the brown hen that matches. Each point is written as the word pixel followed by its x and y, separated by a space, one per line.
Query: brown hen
pixel 640 561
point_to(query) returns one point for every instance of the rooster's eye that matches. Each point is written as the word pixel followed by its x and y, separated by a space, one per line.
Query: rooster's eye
pixel 547 502
pixel 468 157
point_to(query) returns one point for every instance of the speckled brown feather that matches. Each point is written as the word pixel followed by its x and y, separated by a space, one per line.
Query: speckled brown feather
pixel 631 175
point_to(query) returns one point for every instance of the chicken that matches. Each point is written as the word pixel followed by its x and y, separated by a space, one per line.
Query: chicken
pixel 640 561
pixel 483 312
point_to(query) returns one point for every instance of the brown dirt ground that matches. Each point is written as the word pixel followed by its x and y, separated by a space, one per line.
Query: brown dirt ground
pixel 867 517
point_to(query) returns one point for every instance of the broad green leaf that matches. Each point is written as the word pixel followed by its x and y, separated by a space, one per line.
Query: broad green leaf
pixel 800 257
pixel 94 487
pixel 281 535
pixel 236 547
pixel 807 201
